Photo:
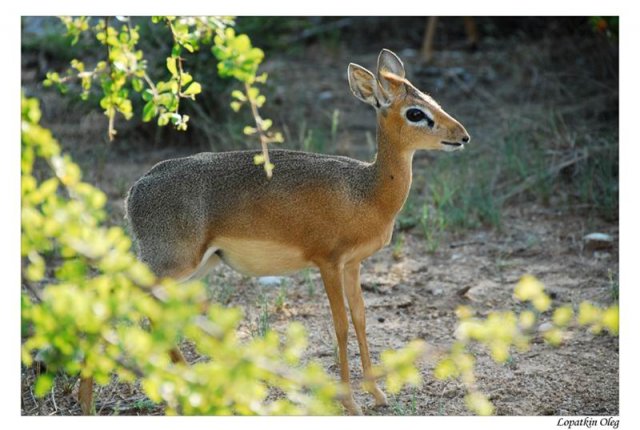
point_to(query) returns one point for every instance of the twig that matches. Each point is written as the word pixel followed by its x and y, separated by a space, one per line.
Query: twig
pixel 264 139
pixel 33 291
pixel 35 402
pixel 53 399
pixel 470 242
pixel 111 133
pixel 468 89
pixel 109 404
pixel 131 368
pixel 149 82
pixel 318 29
pixel 534 179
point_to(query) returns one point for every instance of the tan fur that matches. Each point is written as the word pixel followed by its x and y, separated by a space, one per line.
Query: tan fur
pixel 324 211
pixel 262 257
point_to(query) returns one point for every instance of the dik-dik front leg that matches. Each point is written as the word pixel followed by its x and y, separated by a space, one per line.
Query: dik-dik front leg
pixel 333 279
pixel 356 305
pixel 85 390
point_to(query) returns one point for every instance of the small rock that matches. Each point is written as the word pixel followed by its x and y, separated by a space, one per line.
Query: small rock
pixel 381 319
pixel 595 241
pixel 450 393
pixel 268 281
pixel 546 326
pixel 325 95
pixel 463 291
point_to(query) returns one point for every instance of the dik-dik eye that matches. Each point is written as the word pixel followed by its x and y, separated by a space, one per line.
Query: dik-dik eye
pixel 417 115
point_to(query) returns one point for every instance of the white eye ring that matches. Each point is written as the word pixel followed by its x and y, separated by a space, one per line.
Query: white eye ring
pixel 417 115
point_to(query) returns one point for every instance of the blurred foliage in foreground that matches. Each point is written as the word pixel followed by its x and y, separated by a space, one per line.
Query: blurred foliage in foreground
pixel 89 296
pixel 502 330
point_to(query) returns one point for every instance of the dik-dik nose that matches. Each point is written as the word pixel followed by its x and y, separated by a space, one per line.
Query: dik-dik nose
pixel 466 138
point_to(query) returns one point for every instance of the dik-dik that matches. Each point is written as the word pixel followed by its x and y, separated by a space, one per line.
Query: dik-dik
pixel 189 214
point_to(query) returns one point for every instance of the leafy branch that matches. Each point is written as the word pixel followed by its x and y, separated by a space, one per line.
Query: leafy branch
pixel 237 58
pixel 125 68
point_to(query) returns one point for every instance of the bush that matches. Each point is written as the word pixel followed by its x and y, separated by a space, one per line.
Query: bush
pixel 502 331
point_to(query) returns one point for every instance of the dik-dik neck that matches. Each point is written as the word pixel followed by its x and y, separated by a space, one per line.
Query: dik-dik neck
pixel 392 175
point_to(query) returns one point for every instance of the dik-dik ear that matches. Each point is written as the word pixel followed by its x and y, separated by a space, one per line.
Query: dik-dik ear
pixel 390 63
pixel 363 85
pixel 390 73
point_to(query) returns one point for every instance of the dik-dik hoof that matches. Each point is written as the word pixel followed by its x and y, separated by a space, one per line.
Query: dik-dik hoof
pixel 381 399
pixel 377 393
pixel 351 406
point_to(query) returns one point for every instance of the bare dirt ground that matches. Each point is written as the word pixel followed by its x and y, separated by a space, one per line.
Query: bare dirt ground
pixel 410 293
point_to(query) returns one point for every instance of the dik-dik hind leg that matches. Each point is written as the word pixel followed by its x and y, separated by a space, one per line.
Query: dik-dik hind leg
pixel 356 305
pixel 333 279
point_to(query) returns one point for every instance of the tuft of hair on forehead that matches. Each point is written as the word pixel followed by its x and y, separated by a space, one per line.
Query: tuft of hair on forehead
pixel 413 91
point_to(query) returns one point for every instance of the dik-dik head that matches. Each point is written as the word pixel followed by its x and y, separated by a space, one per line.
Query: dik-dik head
pixel 408 117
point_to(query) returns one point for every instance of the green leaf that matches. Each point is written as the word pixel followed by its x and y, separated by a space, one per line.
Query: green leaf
pixel 241 43
pixel 185 78
pixel 72 270
pixel 478 403
pixel 137 84
pixel 562 316
pixel 445 369
pixel 193 89
pixel 277 138
pixel 266 124
pixel 171 66
pixel 43 384
pixel 49 187
pixel 262 78
pixel 149 111
pixel 188 46
pixel 611 319
pixel 36 269
pixel 253 92
pixel 163 119
pixel 147 95
pixel 237 94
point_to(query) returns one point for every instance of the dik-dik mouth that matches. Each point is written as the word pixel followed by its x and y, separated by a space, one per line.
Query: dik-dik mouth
pixel 452 143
